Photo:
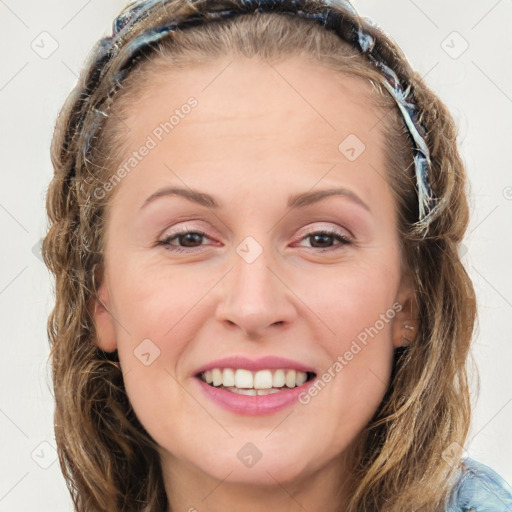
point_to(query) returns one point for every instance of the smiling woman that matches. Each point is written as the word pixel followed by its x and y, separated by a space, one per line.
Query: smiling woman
pixel 255 220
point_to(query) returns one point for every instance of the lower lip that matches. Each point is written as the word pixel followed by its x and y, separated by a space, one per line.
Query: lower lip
pixel 258 405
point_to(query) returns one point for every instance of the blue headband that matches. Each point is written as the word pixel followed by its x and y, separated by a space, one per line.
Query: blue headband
pixel 360 38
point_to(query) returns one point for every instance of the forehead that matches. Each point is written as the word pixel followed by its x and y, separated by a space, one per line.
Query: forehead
pixel 238 89
pixel 254 120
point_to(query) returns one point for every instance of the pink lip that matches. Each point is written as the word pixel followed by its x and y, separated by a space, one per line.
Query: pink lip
pixel 263 363
pixel 258 405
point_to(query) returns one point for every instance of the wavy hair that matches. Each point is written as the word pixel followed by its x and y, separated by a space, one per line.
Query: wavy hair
pixel 108 459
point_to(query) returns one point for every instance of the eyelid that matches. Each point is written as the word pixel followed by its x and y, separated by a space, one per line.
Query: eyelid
pixel 184 227
pixel 324 226
pixel 180 227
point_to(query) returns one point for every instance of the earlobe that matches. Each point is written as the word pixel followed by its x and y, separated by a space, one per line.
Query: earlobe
pixel 99 309
pixel 407 336
pixel 405 323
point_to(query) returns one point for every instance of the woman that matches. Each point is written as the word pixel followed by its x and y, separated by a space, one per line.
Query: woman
pixel 255 221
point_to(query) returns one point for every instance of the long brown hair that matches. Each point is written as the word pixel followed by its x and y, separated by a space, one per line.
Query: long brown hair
pixel 107 458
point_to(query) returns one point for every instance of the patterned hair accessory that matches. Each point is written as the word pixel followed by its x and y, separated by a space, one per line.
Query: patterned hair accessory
pixel 409 113
pixel 360 38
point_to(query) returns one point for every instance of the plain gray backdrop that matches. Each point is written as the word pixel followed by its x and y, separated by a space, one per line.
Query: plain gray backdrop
pixel 463 48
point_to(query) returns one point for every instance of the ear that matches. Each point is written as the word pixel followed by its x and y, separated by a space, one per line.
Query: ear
pixel 99 309
pixel 406 320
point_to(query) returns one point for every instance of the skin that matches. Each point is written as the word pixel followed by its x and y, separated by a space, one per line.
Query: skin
pixel 259 133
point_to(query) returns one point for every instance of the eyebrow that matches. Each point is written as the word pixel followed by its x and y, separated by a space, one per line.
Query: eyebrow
pixel 294 201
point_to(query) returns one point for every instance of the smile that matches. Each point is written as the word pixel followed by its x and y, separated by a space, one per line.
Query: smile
pixel 255 383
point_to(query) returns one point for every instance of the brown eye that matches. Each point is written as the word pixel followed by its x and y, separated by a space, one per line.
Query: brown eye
pixel 322 240
pixel 185 239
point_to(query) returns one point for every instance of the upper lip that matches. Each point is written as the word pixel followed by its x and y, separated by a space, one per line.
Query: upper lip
pixel 263 363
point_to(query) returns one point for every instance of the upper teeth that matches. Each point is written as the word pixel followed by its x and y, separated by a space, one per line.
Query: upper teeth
pixel 262 379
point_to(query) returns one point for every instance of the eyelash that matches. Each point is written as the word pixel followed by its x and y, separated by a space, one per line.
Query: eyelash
pixel 344 240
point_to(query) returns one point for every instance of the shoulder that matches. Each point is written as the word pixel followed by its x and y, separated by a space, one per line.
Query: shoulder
pixel 479 489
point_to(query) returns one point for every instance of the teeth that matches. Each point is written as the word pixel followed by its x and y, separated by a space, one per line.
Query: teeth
pixel 263 379
pixel 228 377
pixel 217 377
pixel 279 379
pixel 243 379
pixel 290 378
pixel 252 392
pixel 267 391
pixel 300 378
pixel 261 382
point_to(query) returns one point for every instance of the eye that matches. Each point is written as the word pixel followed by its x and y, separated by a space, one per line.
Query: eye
pixel 189 240
pixel 324 239
pixel 186 237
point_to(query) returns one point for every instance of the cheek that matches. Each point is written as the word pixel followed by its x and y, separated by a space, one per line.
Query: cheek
pixel 349 299
pixel 360 349
pixel 152 315
pixel 362 371
pixel 155 300
pixel 359 308
pixel 163 325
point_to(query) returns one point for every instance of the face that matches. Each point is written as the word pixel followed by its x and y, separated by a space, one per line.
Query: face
pixel 317 282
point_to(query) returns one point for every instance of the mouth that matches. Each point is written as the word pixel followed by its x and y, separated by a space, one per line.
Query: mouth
pixel 255 383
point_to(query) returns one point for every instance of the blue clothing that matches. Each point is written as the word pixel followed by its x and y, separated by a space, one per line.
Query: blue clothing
pixel 479 489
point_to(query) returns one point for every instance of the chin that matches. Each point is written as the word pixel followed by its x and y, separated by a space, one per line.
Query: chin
pixel 268 471
pixel 259 459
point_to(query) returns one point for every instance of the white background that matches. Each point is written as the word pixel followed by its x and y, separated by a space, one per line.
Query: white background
pixel 475 86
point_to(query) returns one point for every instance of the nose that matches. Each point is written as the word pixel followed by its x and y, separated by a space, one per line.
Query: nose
pixel 255 297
